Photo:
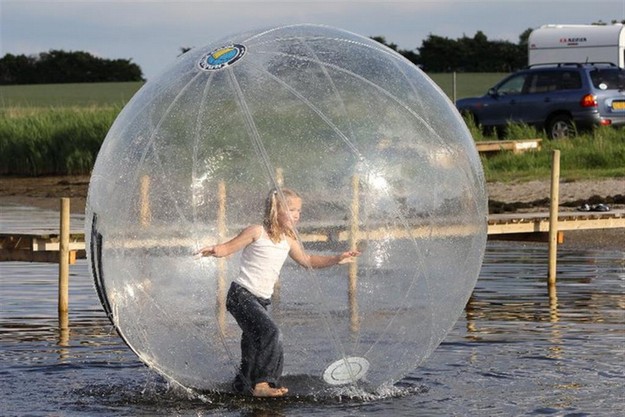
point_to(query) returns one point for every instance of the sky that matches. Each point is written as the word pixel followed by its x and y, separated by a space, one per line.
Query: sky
pixel 151 33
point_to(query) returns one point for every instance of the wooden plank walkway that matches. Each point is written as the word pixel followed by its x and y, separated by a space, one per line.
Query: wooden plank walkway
pixel 44 247
pixel 39 247
pixel 535 226
pixel 516 146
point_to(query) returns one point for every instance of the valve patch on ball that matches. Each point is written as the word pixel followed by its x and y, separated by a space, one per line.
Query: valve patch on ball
pixel 222 57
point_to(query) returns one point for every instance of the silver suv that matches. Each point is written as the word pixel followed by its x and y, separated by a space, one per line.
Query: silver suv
pixel 559 98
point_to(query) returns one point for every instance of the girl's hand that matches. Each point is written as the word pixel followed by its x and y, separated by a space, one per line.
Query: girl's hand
pixel 206 251
pixel 348 257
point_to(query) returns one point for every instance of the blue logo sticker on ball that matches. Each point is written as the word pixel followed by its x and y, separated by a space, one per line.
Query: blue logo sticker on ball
pixel 222 57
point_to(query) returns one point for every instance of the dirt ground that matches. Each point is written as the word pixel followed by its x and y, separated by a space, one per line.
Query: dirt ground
pixel 44 192
pixel 572 194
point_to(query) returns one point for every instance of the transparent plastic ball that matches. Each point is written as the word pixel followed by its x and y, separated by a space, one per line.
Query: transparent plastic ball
pixel 382 160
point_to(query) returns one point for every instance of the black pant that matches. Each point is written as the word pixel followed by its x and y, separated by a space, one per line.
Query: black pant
pixel 261 341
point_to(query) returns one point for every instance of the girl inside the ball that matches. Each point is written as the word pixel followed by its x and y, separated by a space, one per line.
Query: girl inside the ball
pixel 265 248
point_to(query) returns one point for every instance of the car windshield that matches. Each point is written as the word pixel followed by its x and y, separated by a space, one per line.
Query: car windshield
pixel 608 78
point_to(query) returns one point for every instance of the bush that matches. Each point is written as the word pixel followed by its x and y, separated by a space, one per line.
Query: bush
pixel 66 141
pixel 599 153
pixel 52 141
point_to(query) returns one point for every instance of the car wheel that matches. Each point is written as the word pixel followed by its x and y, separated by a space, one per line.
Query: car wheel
pixel 561 127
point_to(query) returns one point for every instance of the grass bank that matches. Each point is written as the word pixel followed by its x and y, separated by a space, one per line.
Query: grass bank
pixel 58 130
pixel 117 94
pixel 596 154
pixel 52 141
pixel 68 95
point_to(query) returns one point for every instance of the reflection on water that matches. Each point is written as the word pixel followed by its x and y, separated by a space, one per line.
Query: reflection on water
pixel 520 348
pixel 17 219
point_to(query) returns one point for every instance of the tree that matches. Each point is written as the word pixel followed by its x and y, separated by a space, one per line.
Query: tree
pixel 612 22
pixel 440 54
pixel 476 54
pixel 524 37
pixel 410 55
pixel 382 40
pixel 17 69
pixel 57 66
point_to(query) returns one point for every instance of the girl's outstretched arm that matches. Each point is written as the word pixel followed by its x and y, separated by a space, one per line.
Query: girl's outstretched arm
pixel 318 261
pixel 235 244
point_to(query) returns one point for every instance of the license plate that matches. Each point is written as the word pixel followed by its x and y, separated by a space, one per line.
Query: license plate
pixel 618 105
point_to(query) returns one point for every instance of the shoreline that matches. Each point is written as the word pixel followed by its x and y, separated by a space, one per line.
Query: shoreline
pixel 531 196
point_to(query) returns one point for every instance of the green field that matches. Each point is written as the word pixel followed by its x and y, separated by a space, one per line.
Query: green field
pixel 67 95
pixel 58 129
pixel 467 84
pixel 117 94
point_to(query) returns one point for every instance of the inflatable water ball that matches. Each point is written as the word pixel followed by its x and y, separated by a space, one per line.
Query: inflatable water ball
pixel 382 160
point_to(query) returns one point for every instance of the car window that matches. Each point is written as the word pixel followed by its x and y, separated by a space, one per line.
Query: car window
pixel 569 80
pixel 512 86
pixel 608 78
pixel 542 82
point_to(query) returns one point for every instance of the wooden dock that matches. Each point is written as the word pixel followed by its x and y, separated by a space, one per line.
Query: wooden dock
pixel 515 146
pixel 535 226
pixel 66 246
pixel 44 246
pixel 39 247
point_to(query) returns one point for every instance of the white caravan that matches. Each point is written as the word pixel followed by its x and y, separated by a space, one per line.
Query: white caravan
pixel 577 43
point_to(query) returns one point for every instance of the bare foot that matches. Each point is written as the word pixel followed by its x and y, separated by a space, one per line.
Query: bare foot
pixel 262 389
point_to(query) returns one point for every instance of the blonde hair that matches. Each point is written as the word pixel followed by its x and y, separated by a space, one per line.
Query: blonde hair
pixel 276 200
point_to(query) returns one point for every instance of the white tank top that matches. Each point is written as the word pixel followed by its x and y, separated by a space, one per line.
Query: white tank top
pixel 261 262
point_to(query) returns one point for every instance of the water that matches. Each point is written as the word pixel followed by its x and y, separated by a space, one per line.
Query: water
pixel 514 351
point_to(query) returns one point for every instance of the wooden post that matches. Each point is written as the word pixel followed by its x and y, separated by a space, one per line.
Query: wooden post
pixel 453 88
pixel 555 350
pixel 64 256
pixel 553 216
pixel 221 231
pixel 353 245
pixel 63 328
pixel 279 177
pixel 146 213
pixel 554 316
pixel 278 285
pixel 469 309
